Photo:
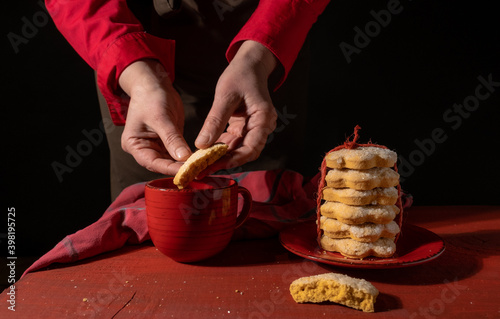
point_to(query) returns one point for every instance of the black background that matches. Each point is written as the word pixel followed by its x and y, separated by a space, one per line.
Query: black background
pixel 398 87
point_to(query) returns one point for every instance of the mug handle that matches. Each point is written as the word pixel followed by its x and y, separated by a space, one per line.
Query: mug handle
pixel 247 204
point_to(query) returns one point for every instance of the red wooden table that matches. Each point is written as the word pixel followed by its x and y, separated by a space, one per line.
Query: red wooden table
pixel 250 279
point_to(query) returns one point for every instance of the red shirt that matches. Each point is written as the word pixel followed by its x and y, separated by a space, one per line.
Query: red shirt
pixel 109 37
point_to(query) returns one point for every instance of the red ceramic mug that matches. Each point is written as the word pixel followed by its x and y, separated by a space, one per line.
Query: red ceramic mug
pixel 197 222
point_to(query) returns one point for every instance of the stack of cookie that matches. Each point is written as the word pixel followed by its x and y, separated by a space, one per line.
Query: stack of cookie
pixel 359 202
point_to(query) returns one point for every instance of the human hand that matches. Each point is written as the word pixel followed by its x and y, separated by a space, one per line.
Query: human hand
pixel 241 100
pixel 155 118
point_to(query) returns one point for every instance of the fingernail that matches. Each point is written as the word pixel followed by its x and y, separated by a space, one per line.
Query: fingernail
pixel 203 138
pixel 181 153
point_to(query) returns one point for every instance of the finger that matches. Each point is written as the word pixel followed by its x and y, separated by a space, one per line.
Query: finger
pixel 259 126
pixel 237 126
pixel 230 140
pixel 239 156
pixel 153 161
pixel 215 123
pixel 226 162
pixel 249 147
pixel 147 149
pixel 173 141
pixel 220 164
pixel 243 149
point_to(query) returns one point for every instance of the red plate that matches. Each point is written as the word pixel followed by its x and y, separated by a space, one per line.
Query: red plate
pixel 415 246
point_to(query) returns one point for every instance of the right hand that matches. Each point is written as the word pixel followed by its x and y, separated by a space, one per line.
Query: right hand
pixel 155 119
pixel 242 103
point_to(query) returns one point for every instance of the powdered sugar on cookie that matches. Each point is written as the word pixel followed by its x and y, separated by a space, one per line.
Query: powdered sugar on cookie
pixel 361 158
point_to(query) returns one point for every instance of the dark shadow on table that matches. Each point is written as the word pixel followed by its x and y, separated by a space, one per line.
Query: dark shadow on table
pixel 386 302
pixel 462 258
pixel 238 253
pixel 247 252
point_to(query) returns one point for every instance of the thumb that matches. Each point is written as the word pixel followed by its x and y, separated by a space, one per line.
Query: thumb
pixel 216 120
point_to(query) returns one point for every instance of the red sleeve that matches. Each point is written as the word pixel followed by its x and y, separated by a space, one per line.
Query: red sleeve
pixel 281 26
pixel 109 37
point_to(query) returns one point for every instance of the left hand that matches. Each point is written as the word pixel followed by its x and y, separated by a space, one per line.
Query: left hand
pixel 155 118
pixel 241 100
